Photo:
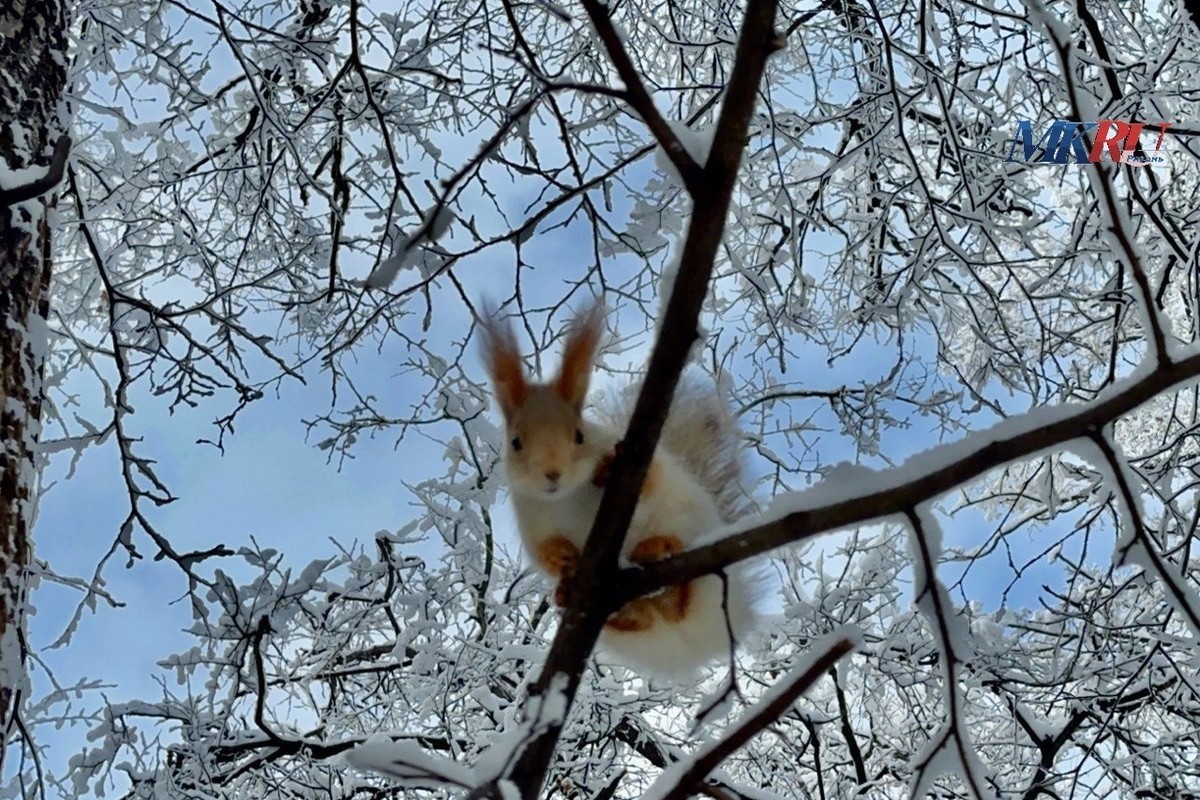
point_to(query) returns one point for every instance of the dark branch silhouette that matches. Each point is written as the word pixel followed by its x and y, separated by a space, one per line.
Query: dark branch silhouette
pixel 53 177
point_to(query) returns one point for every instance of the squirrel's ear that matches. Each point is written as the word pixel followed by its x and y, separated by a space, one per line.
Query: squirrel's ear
pixel 503 362
pixel 579 353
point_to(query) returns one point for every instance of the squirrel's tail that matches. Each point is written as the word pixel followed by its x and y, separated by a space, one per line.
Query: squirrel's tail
pixel 717 606
pixel 700 433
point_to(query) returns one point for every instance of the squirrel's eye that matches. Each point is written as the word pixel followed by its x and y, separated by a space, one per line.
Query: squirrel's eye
pixel 516 443
pixel 578 436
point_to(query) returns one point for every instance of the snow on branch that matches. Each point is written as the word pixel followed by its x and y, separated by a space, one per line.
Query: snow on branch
pixel 683 778
pixel 949 751
pixel 1134 544
pixel 33 187
pixel 407 763
pixel 861 495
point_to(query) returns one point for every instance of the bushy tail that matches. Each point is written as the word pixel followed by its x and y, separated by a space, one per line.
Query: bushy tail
pixel 700 433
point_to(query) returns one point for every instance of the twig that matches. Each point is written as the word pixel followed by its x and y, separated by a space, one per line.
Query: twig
pixel 766 714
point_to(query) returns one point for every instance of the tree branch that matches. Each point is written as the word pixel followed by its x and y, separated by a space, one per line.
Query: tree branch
pixel 938 471
pixel 53 177
pixel 636 95
pixel 584 614
pixel 787 691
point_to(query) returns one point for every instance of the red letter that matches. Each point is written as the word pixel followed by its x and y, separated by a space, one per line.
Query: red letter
pixel 1131 138
pixel 1106 137
pixel 1162 131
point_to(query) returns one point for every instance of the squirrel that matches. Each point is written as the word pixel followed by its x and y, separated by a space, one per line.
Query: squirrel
pixel 556 462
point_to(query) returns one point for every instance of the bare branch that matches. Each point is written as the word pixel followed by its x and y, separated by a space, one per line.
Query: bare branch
pixel 680 780
pixel 636 95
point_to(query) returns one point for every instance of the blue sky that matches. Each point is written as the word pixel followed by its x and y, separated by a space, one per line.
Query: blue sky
pixel 270 485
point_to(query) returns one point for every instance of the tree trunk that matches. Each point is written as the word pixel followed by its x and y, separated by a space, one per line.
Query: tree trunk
pixel 33 66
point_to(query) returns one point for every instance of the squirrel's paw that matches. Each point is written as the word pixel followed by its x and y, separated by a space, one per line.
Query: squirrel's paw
pixel 672 602
pixel 636 615
pixel 558 556
pixel 655 548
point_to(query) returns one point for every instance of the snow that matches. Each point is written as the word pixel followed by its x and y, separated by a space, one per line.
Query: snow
pixel 37 338
pixel 539 713
pixel 470 712
pixel 950 752
pixel 666 284
pixel 697 143
pixel 1045 729
pixel 405 761
pixel 931 597
pixel 15 177
pixel 26 215
pixel 386 271
pixel 670 777
pixel 408 250
pixel 938 760
pixel 12 671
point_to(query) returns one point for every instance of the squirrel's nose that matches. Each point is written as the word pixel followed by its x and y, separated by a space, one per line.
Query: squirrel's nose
pixel 553 475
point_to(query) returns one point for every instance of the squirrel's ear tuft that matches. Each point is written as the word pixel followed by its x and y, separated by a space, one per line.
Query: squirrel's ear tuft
pixel 579 354
pixel 503 361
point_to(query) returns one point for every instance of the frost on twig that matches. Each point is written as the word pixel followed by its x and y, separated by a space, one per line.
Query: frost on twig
pixel 410 247
pixel 1134 545
pixel 950 750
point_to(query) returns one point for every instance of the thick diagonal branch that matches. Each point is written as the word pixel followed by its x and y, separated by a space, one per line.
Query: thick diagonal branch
pixel 584 617
pixel 930 475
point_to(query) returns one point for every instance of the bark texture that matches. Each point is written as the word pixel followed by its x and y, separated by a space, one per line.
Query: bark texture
pixel 33 61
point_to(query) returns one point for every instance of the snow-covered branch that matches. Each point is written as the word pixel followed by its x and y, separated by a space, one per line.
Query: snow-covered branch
pixel 683 778
pixel 31 188
pixel 864 495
